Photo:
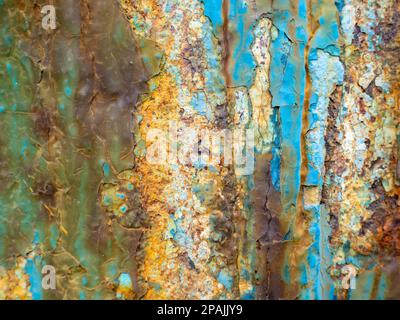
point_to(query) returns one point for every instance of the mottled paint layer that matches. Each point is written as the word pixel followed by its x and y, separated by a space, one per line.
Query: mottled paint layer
pixel 313 83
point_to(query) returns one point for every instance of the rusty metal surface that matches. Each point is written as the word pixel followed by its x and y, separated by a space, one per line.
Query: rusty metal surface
pixel 113 169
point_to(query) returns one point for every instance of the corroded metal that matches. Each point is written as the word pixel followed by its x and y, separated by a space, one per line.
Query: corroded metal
pixel 303 201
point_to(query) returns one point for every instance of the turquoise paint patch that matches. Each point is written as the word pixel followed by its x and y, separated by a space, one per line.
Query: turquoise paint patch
pixel 84 281
pixel 123 208
pixel 244 63
pixel 225 279
pixel 281 49
pixel 120 195
pixel 35 279
pixel 180 235
pixel 200 105
pixel 303 276
pixel 68 91
pixel 340 4
pixel 213 10
pixel 106 169
pixel 291 124
pixel 125 280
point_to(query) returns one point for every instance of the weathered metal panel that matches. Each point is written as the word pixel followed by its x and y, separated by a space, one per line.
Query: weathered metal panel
pixel 194 149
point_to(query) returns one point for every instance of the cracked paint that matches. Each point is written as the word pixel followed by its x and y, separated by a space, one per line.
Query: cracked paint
pixel 305 96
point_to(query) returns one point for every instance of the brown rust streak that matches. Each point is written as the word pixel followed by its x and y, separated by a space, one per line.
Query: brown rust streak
pixel 307 94
pixel 226 36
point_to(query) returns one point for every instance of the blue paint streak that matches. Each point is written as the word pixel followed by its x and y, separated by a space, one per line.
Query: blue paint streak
pixel 213 10
pixel 244 64
pixel 35 278
pixel 318 255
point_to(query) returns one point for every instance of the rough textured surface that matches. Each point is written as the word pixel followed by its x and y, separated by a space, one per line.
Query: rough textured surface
pixel 311 86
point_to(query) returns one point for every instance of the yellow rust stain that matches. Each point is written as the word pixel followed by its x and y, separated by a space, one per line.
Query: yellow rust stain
pixel 164 265
pixel 14 284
